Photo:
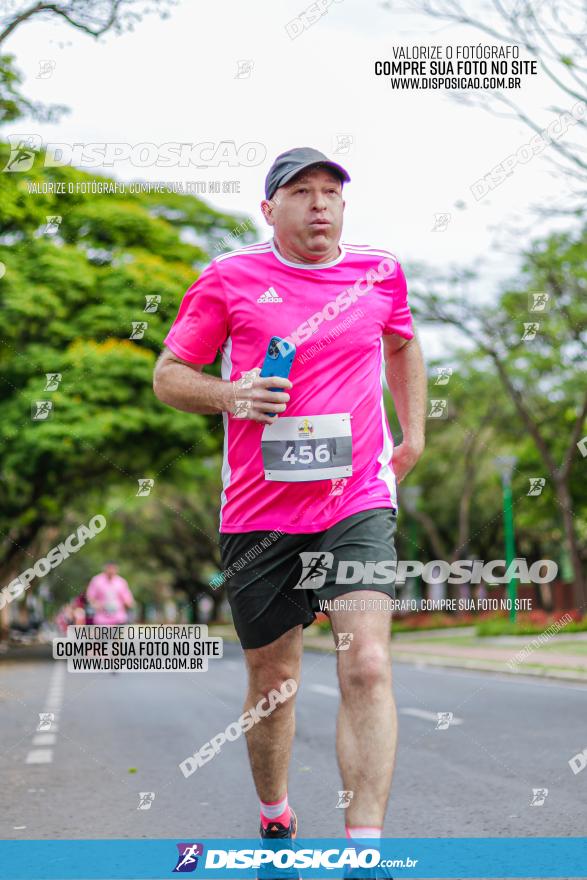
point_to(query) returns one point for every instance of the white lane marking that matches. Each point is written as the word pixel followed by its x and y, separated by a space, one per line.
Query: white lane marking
pixel 39 756
pixel 53 702
pixel 427 716
pixel 44 739
pixel 324 689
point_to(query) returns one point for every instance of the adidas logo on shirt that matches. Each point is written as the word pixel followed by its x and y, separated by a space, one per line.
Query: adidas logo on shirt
pixel 270 296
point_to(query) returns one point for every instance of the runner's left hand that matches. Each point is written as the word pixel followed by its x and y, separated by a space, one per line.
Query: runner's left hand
pixel 404 458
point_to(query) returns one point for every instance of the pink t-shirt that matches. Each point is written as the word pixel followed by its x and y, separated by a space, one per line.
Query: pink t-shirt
pixel 113 594
pixel 336 314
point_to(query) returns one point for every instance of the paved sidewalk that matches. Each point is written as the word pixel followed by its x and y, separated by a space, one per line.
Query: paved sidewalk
pixel 535 662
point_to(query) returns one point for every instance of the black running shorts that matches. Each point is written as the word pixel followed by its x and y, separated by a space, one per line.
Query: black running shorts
pixel 262 570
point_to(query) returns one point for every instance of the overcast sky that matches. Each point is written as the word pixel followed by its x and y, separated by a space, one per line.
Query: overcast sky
pixel 414 154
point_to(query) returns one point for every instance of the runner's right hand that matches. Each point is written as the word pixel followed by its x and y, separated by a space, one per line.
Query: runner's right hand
pixel 253 400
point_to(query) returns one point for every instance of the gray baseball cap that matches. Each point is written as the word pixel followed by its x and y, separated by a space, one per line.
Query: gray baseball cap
pixel 290 163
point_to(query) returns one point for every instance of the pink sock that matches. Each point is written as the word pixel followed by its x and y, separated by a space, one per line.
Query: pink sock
pixel 276 811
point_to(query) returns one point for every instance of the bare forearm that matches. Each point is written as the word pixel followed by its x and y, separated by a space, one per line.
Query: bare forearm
pixel 192 391
pixel 405 372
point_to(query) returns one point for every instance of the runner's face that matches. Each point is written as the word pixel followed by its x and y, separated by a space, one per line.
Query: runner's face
pixel 307 215
pixel 110 570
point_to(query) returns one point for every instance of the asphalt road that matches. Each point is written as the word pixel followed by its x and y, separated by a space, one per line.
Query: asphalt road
pixel 475 778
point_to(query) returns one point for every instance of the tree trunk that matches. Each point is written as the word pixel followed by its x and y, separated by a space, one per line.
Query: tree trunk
pixel 564 498
pixel 8 575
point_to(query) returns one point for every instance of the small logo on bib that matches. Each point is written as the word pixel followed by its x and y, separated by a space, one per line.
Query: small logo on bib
pixel 305 428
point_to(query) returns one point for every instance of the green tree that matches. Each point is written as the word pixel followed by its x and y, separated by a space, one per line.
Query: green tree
pixel 69 296
pixel 166 539
pixel 537 361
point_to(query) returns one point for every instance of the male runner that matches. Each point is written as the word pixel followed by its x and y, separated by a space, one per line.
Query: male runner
pixel 110 597
pixel 313 485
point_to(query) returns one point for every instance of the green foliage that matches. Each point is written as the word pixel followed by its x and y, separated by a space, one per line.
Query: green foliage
pixel 547 374
pixel 13 104
pixel 502 626
pixel 68 301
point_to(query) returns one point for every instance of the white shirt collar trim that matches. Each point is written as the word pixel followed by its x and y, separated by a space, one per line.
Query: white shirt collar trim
pixel 310 266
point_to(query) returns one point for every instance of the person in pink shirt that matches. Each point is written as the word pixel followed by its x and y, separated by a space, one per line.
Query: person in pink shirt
pixel 309 497
pixel 110 596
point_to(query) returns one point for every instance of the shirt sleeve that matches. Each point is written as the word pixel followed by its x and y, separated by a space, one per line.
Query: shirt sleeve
pixel 201 325
pixel 399 321
pixel 125 593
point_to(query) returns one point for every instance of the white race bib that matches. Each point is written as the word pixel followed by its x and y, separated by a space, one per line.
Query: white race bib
pixel 303 448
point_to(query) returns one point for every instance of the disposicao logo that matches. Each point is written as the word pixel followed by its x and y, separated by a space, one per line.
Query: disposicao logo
pixel 187 860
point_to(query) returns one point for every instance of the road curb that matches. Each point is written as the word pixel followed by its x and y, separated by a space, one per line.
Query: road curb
pixel 480 666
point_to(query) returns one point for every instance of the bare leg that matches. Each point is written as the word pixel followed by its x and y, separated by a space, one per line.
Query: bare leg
pixel 270 740
pixel 367 720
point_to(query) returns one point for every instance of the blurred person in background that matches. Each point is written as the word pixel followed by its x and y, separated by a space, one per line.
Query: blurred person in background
pixel 110 597
pixel 79 610
pixel 64 617
pixel 89 610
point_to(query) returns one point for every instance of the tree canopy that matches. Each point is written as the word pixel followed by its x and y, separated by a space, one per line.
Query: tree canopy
pixel 80 271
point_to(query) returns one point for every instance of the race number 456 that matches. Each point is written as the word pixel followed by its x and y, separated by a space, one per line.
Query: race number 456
pixel 307 454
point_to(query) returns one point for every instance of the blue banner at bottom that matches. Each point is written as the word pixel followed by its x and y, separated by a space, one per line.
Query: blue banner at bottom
pixel 460 858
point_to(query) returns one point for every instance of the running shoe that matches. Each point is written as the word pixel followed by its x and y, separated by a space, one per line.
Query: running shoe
pixel 275 831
